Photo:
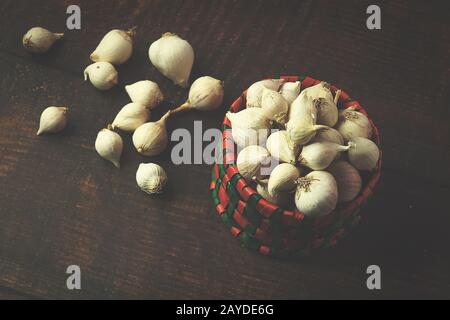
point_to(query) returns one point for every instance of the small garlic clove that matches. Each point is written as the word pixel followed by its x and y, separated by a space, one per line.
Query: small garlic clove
pixel 290 91
pixel 40 40
pixel 151 138
pixel 363 153
pixel 283 179
pixel 353 124
pixel 151 178
pixel 281 199
pixel 250 160
pixel 102 75
pixel 279 147
pixel 109 145
pixel 131 116
pixel 319 155
pixel 274 106
pixel 145 92
pixel 116 47
pixel 347 178
pixel 53 119
pixel 249 127
pixel 255 91
pixel 327 112
pixel 328 135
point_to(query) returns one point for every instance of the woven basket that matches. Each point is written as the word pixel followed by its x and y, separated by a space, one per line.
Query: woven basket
pixel 266 227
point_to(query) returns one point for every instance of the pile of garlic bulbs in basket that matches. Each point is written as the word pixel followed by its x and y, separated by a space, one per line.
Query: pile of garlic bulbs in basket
pixel 318 150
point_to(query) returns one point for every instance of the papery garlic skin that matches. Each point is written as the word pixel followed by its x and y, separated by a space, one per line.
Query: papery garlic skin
pixel 274 106
pixel 40 40
pixel 109 145
pixel 255 91
pixel 116 47
pixel 250 160
pixel 145 92
pixel 328 135
pixel 206 93
pixel 151 139
pixel 319 155
pixel 283 178
pixel 102 75
pixel 151 178
pixel 173 57
pixel 279 147
pixel 348 180
pixel 327 112
pixel 353 124
pixel 249 127
pixel 281 199
pixel 53 119
pixel 316 194
pixel 131 116
pixel 363 153
pixel 290 91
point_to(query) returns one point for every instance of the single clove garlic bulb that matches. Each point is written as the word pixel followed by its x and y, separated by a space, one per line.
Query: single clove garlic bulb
pixel 281 199
pixel 205 94
pixel 327 112
pixel 255 91
pixel 290 91
pixel 173 57
pixel 316 194
pixel 145 92
pixel 249 127
pixel 363 153
pixel 250 160
pixel 53 119
pixel 102 75
pixel 328 135
pixel 109 145
pixel 279 147
pixel 347 178
pixel 274 106
pixel 319 155
pixel 131 116
pixel 40 40
pixel 150 139
pixel 116 47
pixel 353 124
pixel 283 179
pixel 151 178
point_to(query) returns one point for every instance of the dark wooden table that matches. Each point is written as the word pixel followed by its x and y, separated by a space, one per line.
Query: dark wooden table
pixel 60 204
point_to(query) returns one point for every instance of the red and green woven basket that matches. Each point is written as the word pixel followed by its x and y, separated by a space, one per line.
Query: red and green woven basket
pixel 266 227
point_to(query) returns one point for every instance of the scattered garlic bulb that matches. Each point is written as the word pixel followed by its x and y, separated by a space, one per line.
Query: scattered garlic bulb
pixel 116 47
pixel 353 124
pixel 274 106
pixel 363 153
pixel 254 92
pixel 328 135
pixel 249 127
pixel 279 147
pixel 109 145
pixel 145 92
pixel 283 178
pixel 316 194
pixel 282 199
pixel 250 160
pixel 327 112
pixel 151 178
pixel 150 139
pixel 319 155
pixel 173 57
pixel 102 75
pixel 131 116
pixel 53 119
pixel 290 91
pixel 40 40
pixel 205 94
pixel 347 178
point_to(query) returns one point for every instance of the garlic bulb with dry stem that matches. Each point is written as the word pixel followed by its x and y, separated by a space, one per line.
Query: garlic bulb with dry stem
pixel 109 145
pixel 353 124
pixel 363 153
pixel 53 119
pixel 249 127
pixel 316 194
pixel 250 160
pixel 102 75
pixel 290 91
pixel 40 40
pixel 328 135
pixel 150 139
pixel 173 57
pixel 319 155
pixel 131 116
pixel 327 112
pixel 282 199
pixel 116 47
pixel 274 106
pixel 151 178
pixel 145 92
pixel 279 147
pixel 205 94
pixel 283 178
pixel 347 178
pixel 254 92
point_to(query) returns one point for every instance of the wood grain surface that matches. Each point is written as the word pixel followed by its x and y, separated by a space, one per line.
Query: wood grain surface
pixel 60 204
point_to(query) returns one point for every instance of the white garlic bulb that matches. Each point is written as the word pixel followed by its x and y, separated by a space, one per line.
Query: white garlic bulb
pixel 53 119
pixel 102 75
pixel 173 57
pixel 279 147
pixel 40 40
pixel 328 135
pixel 249 127
pixel 327 112
pixel 274 106
pixel 109 145
pixel 353 124
pixel 151 178
pixel 150 139
pixel 363 153
pixel 290 91
pixel 250 160
pixel 116 47
pixel 145 92
pixel 319 155
pixel 131 116
pixel 283 178
pixel 347 178
pixel 316 194
pixel 205 94
pixel 282 199
pixel 254 92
